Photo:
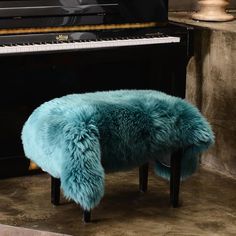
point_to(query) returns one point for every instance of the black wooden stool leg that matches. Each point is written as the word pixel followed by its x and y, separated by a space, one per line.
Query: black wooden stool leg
pixel 175 177
pixel 86 216
pixel 143 178
pixel 55 191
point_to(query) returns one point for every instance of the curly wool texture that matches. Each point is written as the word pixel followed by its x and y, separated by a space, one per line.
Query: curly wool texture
pixel 77 136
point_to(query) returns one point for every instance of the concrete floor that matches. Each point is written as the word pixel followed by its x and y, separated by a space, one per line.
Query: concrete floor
pixel 208 207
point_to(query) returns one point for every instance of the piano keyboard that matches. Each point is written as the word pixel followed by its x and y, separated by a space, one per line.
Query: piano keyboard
pixel 85 45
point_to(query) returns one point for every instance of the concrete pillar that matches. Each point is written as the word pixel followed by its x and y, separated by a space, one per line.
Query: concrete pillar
pixel 211 85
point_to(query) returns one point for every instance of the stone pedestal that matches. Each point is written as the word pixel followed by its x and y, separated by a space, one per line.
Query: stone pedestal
pixel 211 86
pixel 212 10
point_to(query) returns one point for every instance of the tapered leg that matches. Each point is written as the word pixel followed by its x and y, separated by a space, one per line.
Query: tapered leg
pixel 87 216
pixel 175 177
pixel 55 191
pixel 143 177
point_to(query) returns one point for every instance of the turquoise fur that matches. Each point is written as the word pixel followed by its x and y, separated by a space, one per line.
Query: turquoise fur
pixel 77 136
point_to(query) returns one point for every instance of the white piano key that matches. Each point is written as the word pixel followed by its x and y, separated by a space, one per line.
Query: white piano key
pixel 86 45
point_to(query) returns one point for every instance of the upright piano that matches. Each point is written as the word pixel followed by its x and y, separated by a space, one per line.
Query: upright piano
pixel 50 48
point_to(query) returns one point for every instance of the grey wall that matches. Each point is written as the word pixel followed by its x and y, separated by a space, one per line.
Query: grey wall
pixel 190 5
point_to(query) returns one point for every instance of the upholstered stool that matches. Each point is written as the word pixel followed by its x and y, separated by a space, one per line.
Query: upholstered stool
pixel 76 138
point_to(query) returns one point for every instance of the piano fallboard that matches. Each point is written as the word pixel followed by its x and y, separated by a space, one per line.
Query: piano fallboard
pixel 46 13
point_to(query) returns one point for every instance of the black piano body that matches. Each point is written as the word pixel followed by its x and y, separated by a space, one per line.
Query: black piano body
pixel 35 67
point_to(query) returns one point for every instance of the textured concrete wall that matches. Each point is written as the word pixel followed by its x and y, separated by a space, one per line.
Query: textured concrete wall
pixel 211 85
pixel 190 5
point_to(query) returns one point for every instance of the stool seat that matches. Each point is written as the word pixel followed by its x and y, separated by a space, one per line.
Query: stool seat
pixel 79 137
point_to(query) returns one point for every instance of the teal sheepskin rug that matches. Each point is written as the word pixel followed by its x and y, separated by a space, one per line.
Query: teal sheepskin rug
pixel 79 137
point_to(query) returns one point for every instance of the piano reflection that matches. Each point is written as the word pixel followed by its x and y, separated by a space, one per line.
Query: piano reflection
pixel 50 48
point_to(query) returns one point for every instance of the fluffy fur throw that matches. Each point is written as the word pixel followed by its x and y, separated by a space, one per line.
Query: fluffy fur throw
pixel 77 137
